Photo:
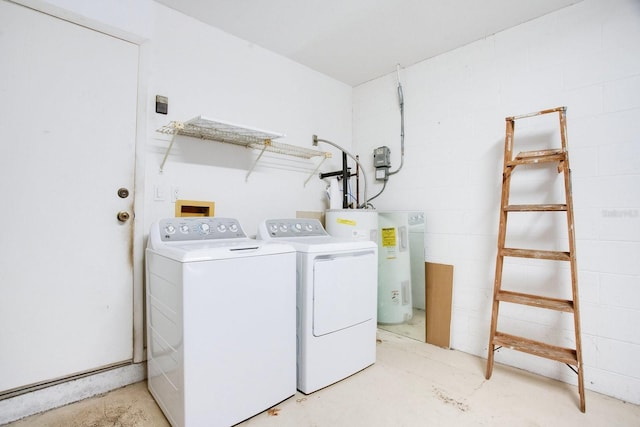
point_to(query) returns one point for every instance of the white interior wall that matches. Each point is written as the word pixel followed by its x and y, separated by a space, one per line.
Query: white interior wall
pixel 204 71
pixel 586 57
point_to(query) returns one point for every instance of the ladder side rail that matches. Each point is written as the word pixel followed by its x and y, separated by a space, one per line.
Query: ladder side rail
pixel 573 259
pixel 502 232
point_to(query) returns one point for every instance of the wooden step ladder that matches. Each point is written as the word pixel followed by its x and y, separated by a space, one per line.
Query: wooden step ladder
pixel 559 156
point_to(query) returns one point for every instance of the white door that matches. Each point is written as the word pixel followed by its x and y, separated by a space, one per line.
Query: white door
pixel 67 132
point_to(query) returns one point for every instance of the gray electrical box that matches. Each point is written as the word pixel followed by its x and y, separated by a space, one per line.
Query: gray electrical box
pixel 382 157
pixel 382 162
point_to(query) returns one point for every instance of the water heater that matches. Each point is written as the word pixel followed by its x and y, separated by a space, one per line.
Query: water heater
pixel 394 268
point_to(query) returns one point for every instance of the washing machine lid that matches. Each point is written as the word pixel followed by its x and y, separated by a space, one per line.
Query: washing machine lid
pixel 217 250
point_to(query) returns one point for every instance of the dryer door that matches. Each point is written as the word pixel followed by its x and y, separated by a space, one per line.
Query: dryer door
pixel 344 291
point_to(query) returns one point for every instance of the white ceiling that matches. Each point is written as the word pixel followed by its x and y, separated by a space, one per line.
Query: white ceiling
pixel 359 40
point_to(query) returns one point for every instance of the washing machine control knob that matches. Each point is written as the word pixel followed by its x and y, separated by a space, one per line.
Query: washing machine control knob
pixel 233 228
pixel 284 228
pixel 298 226
pixel 184 228
pixel 170 229
pixel 204 228
pixel 221 228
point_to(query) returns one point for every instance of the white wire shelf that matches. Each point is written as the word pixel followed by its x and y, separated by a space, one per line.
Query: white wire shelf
pixel 215 130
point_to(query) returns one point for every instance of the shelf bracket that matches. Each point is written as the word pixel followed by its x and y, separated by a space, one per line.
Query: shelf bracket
pixel 176 128
pixel 266 143
pixel 325 157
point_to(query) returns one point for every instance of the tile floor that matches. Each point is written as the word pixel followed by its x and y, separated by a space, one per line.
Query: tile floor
pixel 411 384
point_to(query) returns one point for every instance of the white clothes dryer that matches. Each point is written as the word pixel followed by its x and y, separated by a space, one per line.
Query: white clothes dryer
pixel 221 337
pixel 336 300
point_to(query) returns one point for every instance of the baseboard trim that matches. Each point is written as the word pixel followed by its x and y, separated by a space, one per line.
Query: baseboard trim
pixel 58 395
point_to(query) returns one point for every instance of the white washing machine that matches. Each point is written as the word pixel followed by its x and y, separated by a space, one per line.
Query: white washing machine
pixel 336 300
pixel 221 309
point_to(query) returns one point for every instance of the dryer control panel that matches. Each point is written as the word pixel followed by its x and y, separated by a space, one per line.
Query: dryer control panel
pixel 293 227
pixel 200 228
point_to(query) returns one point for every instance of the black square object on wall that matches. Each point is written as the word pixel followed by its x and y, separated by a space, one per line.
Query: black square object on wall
pixel 162 104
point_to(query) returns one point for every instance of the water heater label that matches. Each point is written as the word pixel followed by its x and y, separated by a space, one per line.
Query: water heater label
pixel 389 236
pixel 346 221
pixel 395 297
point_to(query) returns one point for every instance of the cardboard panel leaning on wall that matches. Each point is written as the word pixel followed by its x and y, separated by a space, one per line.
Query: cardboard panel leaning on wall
pixel 439 283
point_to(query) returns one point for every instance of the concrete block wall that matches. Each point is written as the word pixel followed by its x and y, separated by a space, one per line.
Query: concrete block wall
pixel 585 57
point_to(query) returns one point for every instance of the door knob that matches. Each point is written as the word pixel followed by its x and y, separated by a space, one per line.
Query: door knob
pixel 123 216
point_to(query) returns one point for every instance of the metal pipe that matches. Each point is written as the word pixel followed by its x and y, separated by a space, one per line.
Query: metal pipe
pixel 315 142
pixel 331 174
pixel 345 182
pixel 401 103
pixel 357 181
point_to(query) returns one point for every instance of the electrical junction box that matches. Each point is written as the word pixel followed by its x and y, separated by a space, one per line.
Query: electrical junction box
pixel 382 162
pixel 382 157
pixel 382 174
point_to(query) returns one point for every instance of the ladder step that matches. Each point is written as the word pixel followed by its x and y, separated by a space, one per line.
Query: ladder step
pixel 536 208
pixel 540 156
pixel 539 153
pixel 537 348
pixel 535 253
pixel 538 113
pixel 536 301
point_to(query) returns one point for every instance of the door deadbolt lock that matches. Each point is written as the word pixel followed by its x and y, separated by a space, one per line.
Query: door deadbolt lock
pixel 123 216
pixel 123 193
